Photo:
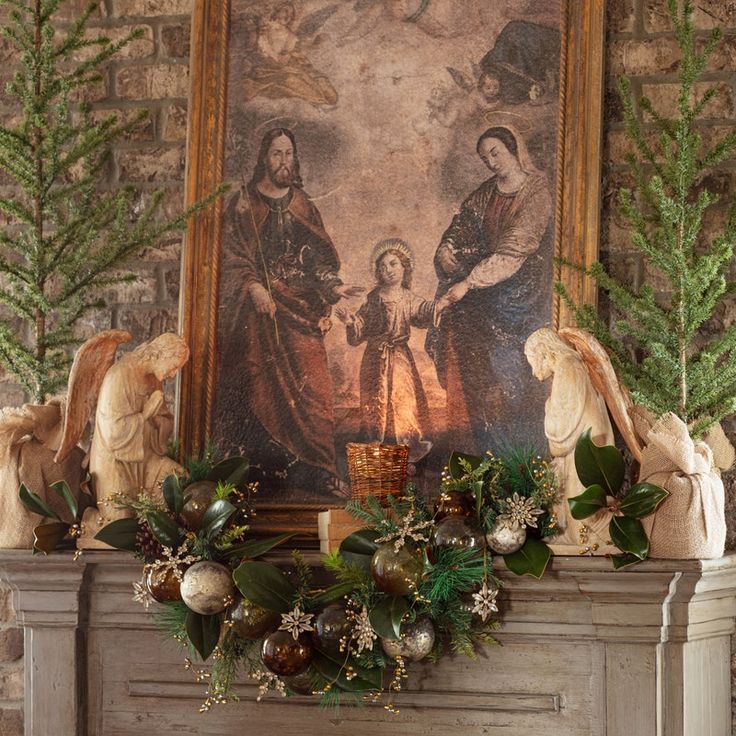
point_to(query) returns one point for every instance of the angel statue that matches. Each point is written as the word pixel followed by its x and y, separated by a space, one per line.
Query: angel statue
pixel 576 403
pixel 29 438
pixel 133 425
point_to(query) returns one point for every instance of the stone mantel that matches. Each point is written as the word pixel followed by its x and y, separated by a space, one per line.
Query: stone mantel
pixel 586 652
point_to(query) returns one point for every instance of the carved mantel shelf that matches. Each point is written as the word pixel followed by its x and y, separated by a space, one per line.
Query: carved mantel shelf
pixel 586 652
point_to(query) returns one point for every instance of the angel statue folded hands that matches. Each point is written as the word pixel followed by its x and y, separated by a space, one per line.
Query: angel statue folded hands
pixel 132 422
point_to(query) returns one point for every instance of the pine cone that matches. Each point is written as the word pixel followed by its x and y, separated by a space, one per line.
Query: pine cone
pixel 147 546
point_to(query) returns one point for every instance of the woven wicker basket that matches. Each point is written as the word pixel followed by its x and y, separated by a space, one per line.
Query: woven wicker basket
pixel 376 469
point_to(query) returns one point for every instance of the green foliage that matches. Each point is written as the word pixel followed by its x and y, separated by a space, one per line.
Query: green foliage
pixel 455 571
pixel 658 346
pixel 67 234
pixel 531 559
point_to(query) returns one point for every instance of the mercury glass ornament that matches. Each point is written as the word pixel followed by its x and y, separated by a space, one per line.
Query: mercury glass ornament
pixel 251 621
pixel 286 656
pixel 163 585
pixel 415 643
pixel 330 627
pixel 301 683
pixel 453 503
pixel 457 532
pixel 200 495
pixel 397 573
pixel 504 539
pixel 207 587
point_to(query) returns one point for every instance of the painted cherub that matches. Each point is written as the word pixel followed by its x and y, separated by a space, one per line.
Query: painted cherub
pixel 392 399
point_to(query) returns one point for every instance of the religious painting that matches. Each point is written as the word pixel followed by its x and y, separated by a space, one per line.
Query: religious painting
pixel 397 170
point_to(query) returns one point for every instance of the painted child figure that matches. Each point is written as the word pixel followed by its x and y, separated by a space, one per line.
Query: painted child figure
pixel 392 399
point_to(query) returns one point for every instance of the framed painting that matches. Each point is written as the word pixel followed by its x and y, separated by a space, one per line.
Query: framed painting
pixel 402 174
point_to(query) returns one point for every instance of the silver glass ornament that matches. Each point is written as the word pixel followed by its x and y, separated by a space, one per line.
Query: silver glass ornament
pixel 207 587
pixel 457 532
pixel 504 539
pixel 415 643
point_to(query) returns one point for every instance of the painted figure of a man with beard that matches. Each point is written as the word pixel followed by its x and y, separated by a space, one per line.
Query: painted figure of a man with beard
pixel 279 280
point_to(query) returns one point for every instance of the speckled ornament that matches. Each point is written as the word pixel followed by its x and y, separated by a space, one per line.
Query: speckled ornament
pixel 415 643
pixel 504 539
pixel 397 573
pixel 286 656
pixel 330 627
pixel 163 584
pixel 200 495
pixel 207 587
pixel 251 621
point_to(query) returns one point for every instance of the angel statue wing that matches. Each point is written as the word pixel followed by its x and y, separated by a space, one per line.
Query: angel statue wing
pixel 91 363
pixel 605 381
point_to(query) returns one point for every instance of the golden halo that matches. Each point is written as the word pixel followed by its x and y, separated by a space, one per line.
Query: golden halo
pixel 390 244
pixel 518 122
pixel 270 122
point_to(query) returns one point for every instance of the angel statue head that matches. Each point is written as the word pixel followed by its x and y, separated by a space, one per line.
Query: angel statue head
pixel 543 350
pixel 163 355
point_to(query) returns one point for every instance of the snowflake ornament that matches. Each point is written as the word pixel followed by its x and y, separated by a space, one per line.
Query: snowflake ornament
pixel 175 561
pixel 296 622
pixel 520 512
pixel 485 601
pixel 141 594
pixel 363 631
pixel 411 528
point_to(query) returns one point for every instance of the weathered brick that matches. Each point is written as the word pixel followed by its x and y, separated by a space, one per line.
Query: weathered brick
pixel 72 9
pixel 11 395
pixel 620 16
pixel 128 8
pixel 145 323
pixel 175 40
pixel 11 645
pixel 152 82
pixel 167 250
pixel 92 323
pixel 171 282
pixel 649 56
pixel 151 165
pixel 142 290
pixel 664 98
pixel 11 681
pixel 145 131
pixel 175 125
pixel 7 613
pixel 708 14
pixel 11 721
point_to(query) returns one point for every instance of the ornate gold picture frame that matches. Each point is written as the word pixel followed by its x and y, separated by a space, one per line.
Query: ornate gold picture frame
pixel 244 78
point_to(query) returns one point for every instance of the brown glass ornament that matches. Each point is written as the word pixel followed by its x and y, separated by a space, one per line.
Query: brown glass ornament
pixel 251 621
pixel 456 532
pixel 200 497
pixel 286 656
pixel 163 585
pixel 330 627
pixel 397 573
pixel 454 503
pixel 302 683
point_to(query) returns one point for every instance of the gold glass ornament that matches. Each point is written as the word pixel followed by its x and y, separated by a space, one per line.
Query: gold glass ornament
pixel 397 573
pixel 457 532
pixel 200 495
pixel 251 621
pixel 330 627
pixel 453 503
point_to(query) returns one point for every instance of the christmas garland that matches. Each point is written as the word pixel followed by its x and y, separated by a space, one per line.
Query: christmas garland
pixel 414 583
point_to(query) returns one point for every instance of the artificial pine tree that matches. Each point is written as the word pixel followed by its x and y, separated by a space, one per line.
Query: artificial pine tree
pixel 658 349
pixel 67 232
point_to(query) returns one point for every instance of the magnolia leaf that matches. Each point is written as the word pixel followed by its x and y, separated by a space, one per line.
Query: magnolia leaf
pixel 629 536
pixel 203 632
pixel 602 466
pixel 119 534
pixel 531 559
pixel 34 502
pixel 232 470
pixel 460 459
pixel 47 537
pixel 336 672
pixel 61 488
pixel 265 585
pixel 173 494
pixel 257 547
pixel 216 517
pixel 642 499
pixel 590 502
pixel 386 617
pixel 359 547
pixel 333 593
pixel 164 528
pixel 620 561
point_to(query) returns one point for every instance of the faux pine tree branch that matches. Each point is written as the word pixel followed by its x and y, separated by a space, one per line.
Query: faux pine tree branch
pixel 70 232
pixel 657 346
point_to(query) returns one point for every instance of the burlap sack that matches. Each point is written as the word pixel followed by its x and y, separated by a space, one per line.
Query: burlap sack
pixel 690 523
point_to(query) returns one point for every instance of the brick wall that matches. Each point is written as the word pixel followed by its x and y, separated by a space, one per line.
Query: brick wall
pixel 153 74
